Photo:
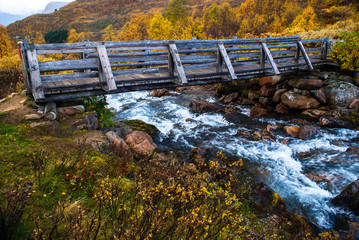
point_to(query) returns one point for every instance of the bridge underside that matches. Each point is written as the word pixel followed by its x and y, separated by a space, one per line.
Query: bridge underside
pixel 117 67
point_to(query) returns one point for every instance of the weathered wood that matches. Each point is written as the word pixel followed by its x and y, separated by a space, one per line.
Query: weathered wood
pixel 270 58
pixel 304 53
pixel 227 61
pixel 65 65
pixel 37 90
pixel 148 64
pixel 65 77
pixel 177 62
pixel 24 68
pixel 324 48
pixel 104 69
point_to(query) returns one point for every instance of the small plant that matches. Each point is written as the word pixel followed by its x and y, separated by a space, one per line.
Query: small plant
pixel 13 203
pixel 347 52
pixel 99 105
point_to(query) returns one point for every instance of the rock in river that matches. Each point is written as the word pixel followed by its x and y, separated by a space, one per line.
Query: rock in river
pixel 349 197
pixel 298 101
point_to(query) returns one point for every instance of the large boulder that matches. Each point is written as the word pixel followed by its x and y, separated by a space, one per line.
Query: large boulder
pixel 349 198
pixel 307 132
pixel 320 95
pixel 266 201
pixel 88 121
pixel 306 84
pixel 253 95
pixel 340 95
pixel 141 144
pixel 259 111
pixel 282 109
pixel 200 106
pixel 160 93
pixel 119 146
pixel 267 91
pixel 278 94
pixel 229 98
pixel 64 112
pixel 298 101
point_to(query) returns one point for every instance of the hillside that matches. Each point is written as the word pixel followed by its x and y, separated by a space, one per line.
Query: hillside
pixel 54 6
pixel 95 15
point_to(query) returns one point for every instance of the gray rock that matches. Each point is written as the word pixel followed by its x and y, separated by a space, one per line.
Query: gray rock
pixel 278 94
pixel 298 101
pixel 306 84
pixel 340 94
pixel 33 116
pixel 349 198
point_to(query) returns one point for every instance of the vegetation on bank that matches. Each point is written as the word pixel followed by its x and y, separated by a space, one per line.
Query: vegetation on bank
pixel 55 188
pixel 184 19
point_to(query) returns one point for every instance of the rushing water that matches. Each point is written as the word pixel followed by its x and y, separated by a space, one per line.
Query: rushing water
pixel 284 167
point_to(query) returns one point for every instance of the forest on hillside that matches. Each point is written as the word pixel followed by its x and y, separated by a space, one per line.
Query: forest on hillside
pixel 185 19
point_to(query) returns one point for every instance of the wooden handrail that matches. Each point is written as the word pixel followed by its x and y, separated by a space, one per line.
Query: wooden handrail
pixel 111 67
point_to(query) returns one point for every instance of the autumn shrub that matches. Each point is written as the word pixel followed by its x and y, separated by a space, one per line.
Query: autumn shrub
pixel 346 52
pixel 10 75
pixel 99 104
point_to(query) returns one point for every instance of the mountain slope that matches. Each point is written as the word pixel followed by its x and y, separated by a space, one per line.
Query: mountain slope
pixel 95 15
pixel 6 18
pixel 54 6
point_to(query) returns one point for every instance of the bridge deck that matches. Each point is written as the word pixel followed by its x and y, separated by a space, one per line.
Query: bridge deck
pixel 134 66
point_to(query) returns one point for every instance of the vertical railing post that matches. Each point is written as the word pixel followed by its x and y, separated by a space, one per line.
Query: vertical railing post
pixel 324 48
pixel 171 65
pixel 84 54
pixel 24 65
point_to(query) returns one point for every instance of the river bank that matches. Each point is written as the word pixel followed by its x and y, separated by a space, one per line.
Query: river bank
pixel 217 144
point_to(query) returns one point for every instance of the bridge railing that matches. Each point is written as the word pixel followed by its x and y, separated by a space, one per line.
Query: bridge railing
pixel 70 70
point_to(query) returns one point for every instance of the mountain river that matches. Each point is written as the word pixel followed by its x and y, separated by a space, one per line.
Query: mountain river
pixel 284 167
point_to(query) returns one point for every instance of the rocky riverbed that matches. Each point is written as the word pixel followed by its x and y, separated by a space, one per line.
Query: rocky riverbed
pixel 296 135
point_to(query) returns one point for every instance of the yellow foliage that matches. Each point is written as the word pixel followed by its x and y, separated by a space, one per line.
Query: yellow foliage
pixel 75 37
pixel 136 29
pixel 5 45
pixel 306 21
pixel 160 28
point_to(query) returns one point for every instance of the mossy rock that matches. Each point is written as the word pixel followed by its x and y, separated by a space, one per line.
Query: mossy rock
pixel 352 117
pixel 138 125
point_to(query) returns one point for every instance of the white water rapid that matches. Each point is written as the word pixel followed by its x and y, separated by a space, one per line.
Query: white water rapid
pixel 283 167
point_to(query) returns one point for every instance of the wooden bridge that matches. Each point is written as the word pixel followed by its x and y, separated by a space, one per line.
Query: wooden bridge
pixel 94 68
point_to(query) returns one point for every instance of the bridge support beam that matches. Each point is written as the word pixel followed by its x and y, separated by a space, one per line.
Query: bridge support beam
pixel 266 52
pixel 301 48
pixel 37 89
pixel 104 69
pixel 223 57
pixel 174 60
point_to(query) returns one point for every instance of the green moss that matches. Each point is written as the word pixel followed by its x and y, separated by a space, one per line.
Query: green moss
pixel 351 117
pixel 138 125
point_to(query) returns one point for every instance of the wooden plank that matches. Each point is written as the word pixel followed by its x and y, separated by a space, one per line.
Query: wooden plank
pixel 104 69
pixel 270 58
pixel 64 65
pixel 177 62
pixel 227 61
pixel 305 55
pixel 65 77
pixel 36 83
